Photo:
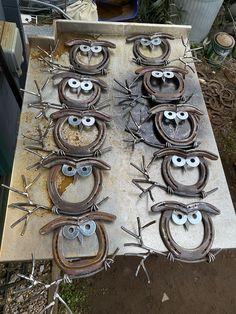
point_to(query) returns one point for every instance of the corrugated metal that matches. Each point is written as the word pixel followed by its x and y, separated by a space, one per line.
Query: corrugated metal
pixel 200 14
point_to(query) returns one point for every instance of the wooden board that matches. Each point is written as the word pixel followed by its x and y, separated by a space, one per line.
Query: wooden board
pixel 123 201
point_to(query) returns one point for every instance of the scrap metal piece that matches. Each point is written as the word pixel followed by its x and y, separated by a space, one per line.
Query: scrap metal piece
pixel 61 118
pixel 83 267
pixel 202 252
pixel 63 79
pixel 150 42
pixel 90 48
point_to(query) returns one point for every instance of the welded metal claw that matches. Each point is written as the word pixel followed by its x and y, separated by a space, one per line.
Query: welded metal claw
pixel 45 286
pixel 149 251
pixel 29 207
pixel 41 104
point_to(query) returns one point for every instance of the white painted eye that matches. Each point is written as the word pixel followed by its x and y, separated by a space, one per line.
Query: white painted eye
pixel 84 48
pixel 193 161
pixel 88 121
pixel 178 161
pixel 74 121
pixel 182 115
pixel 195 217
pixel 145 42
pixel 86 86
pixel 73 83
pixel 168 74
pixel 96 49
pixel 70 232
pixel 68 171
pixel 157 74
pixel 179 218
pixel 171 115
pixel 88 228
pixel 84 171
pixel 156 41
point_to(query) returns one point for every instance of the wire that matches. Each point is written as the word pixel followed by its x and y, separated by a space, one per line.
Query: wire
pixel 53 7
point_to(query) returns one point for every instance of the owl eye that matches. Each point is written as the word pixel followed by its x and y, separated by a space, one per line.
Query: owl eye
pixel 96 49
pixel 178 161
pixel 145 42
pixel 84 171
pixel 195 217
pixel 156 41
pixel 70 232
pixel 157 74
pixel 193 161
pixel 179 218
pixel 73 83
pixel 171 115
pixel 84 48
pixel 88 121
pixel 68 171
pixel 88 228
pixel 74 121
pixel 86 86
pixel 168 74
pixel 182 115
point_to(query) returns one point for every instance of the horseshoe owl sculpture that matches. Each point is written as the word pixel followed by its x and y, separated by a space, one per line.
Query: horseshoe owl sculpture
pixel 77 121
pixel 187 216
pixel 163 84
pixel 167 125
pixel 73 227
pixel 78 92
pixel 151 42
pixel 178 159
pixel 74 169
pixel 86 49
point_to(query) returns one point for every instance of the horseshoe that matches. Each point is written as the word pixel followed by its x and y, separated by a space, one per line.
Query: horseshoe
pixel 79 267
pixel 98 86
pixel 89 69
pixel 142 59
pixel 61 118
pixel 198 254
pixel 187 135
pixel 194 190
pixel 162 96
pixel 70 208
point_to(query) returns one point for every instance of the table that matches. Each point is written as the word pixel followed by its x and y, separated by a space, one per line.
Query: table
pixel 123 195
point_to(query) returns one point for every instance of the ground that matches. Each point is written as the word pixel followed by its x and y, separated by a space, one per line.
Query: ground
pixel 175 287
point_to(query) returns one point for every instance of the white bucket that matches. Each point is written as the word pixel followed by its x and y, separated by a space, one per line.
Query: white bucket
pixel 200 14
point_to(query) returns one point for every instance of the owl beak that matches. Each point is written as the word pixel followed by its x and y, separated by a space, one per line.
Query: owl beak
pixel 78 91
pixel 186 225
pixel 76 176
pixel 184 168
pixel 151 46
pixel 90 53
pixel 163 78
pixel 80 127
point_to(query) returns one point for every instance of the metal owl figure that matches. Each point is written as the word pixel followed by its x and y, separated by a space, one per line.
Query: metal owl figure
pixel 166 125
pixel 177 125
pixel 186 160
pixel 151 42
pixel 77 121
pixel 163 84
pixel 82 52
pixel 188 216
pixel 78 92
pixel 75 169
pixel 71 228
